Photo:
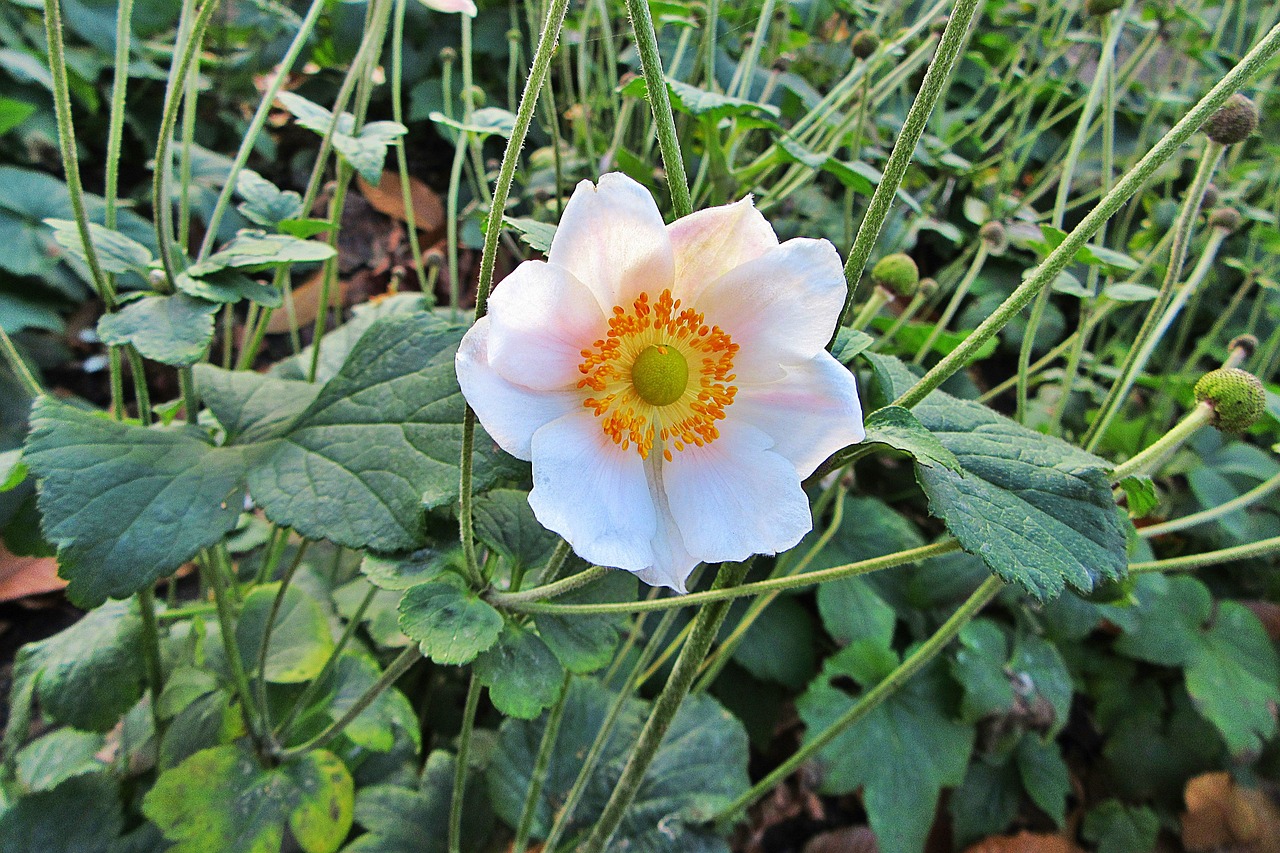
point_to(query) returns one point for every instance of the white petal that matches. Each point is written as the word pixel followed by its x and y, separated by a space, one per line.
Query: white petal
pixel 672 562
pixel 467 7
pixel 709 243
pixel 542 319
pixel 780 308
pixel 510 413
pixel 810 413
pixel 735 497
pixel 593 493
pixel 613 239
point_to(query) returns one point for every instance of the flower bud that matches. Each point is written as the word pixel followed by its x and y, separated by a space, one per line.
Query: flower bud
pixel 896 272
pixel 514 35
pixel 992 233
pixel 156 278
pixel 927 287
pixel 1210 199
pixel 448 55
pixel 1226 218
pixel 864 43
pixel 1236 395
pixel 1101 7
pixel 1248 343
pixel 1234 122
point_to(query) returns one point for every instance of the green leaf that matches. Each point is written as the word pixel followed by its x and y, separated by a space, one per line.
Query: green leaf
pixel 1041 673
pixel 304 228
pixel 222 798
pixel 849 343
pixel 536 235
pixel 367 152
pixel 583 642
pixel 1140 492
pixel 14 113
pixel 699 768
pixel 522 674
pixel 378 444
pixel 81 815
pixel 397 819
pixel 1117 828
pixel 504 521
pixel 700 102
pixel 980 667
pixel 265 204
pixel 898 429
pixel 116 253
pixel 1044 776
pixel 1169 611
pixel 780 646
pixel 339 343
pixel 912 336
pixel 253 406
pixel 1233 677
pixel 127 505
pixel 260 250
pixel 986 801
pixel 451 625
pixel 13 471
pixel 62 754
pixel 488 121
pixel 402 572
pixel 174 329
pixel 929 751
pixel 375 727
pixel 300 642
pixel 1128 291
pixel 227 285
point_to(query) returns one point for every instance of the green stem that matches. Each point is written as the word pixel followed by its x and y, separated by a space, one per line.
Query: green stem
pixel 217 568
pixel 1209 558
pixel 550 590
pixel 151 654
pixel 705 627
pixel 870 700
pixel 1255 494
pixel 862 567
pixel 660 101
pixel 895 169
pixel 1151 457
pixel 460 767
pixel 545 750
pixel 18 364
pixel 1047 271
pixel 957 297
pixel 402 163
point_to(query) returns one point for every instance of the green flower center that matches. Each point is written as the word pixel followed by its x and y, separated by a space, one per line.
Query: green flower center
pixel 660 375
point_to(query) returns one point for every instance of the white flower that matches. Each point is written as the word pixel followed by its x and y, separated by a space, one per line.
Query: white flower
pixel 466 7
pixel 669 383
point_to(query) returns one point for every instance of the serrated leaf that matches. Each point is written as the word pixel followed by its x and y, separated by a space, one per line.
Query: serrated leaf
pixel 487 121
pixel 229 286
pixel 504 521
pixel 979 666
pixel 224 799
pixel 1044 776
pixel 896 428
pixel 367 151
pixel 700 102
pixel 375 727
pixel 300 642
pixel 253 406
pixel 395 817
pixel 1118 828
pixel 265 204
pixel 451 625
pixel 81 815
pixel 116 252
pixel 404 571
pixel 259 250
pixel 1169 612
pixel 522 674
pixel 127 505
pixel 584 642
pixel 174 329
pixel 536 235
pixel 1233 677
pixel 1140 492
pixel 849 343
pixel 62 754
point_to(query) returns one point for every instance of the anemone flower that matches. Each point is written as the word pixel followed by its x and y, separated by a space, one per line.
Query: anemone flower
pixel 669 383
pixel 466 7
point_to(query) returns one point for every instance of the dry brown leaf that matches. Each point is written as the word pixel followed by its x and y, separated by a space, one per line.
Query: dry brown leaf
pixel 1269 615
pixel 306 304
pixel 1025 842
pixel 25 576
pixel 846 839
pixel 388 197
pixel 1220 813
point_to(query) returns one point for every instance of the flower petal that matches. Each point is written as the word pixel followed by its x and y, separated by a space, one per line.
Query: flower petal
pixel 542 318
pixel 672 562
pixel 467 7
pixel 510 413
pixel 809 414
pixel 779 308
pixel 735 497
pixel 593 493
pixel 709 243
pixel 612 238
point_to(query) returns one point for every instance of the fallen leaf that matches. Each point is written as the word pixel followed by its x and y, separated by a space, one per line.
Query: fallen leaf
pixel 21 577
pixel 1221 813
pixel 306 303
pixel 1025 842
pixel 1268 614
pixel 846 839
pixel 388 197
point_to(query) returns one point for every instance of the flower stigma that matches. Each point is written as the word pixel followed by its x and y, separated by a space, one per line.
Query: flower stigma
pixel 662 375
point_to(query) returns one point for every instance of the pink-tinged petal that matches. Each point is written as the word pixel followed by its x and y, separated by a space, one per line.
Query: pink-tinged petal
pixel 593 493
pixel 510 413
pixel 466 7
pixel 780 308
pixel 735 497
pixel 672 562
pixel 709 243
pixel 612 238
pixel 541 320
pixel 810 413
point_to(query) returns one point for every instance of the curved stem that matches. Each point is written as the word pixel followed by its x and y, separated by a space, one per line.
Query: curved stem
pixel 545 750
pixel 1209 558
pixel 1151 457
pixel 550 590
pixel 18 365
pixel 460 765
pixel 871 699
pixel 1255 494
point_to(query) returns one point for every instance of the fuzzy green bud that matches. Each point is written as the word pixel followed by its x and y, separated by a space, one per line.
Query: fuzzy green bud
pixel 864 43
pixel 896 272
pixel 1237 397
pixel 1226 218
pixel 1234 122
pixel 927 287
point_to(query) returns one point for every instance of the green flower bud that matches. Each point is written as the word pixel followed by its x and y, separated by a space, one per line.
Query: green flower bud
pixel 1226 218
pixel 864 43
pixel 927 287
pixel 1236 395
pixel 1234 122
pixel 992 233
pixel 896 272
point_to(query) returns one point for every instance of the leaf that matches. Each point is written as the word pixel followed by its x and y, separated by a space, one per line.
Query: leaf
pixel 378 444
pixel 700 102
pixel 536 235
pixel 367 151
pixel 849 343
pixel 488 121
pixel 1233 677
pixel 174 329
pixel 504 521
pixel 253 406
pixel 397 818
pixel 451 625
pixel 898 429
pixel 127 505
pixel 260 250
pixel 300 642
pixel 81 815
pixel 224 799
pixel 62 754
pixel 780 646
pixel 1128 291
pixel 1044 776
pixel 1169 611
pixel 986 801
pixel 13 471
pixel 1117 828
pixel 1041 672
pixel 584 642
pixel 264 204
pixel 229 286
pixel 397 573
pixel 980 667
pixel 376 726
pixel 116 253
pixel 522 674
pixel 14 113
pixel 929 750
pixel 1140 494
